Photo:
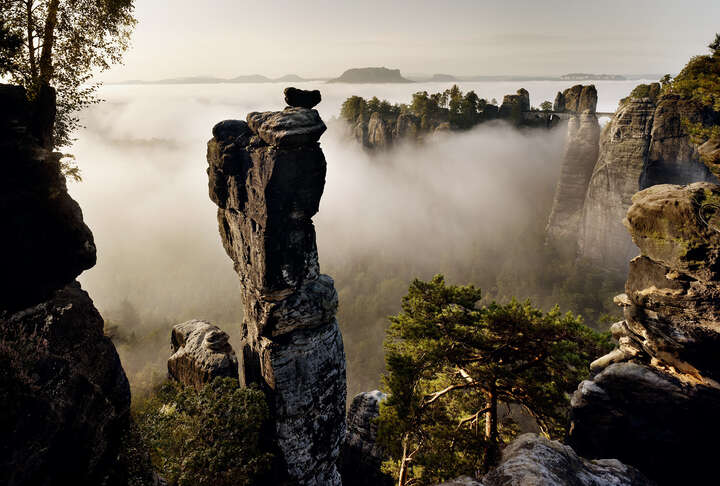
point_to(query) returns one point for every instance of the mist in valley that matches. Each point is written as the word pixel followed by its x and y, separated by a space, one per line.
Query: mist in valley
pixel 471 205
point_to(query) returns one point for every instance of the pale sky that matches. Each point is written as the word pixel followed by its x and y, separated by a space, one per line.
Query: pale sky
pixel 322 38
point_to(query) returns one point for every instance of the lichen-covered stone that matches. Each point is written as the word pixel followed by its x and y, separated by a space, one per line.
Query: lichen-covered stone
pixel 267 177
pixel 201 353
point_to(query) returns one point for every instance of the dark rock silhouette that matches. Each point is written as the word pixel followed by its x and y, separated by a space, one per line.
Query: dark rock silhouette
pixel 653 400
pixel 302 98
pixel 201 353
pixel 267 177
pixel 65 399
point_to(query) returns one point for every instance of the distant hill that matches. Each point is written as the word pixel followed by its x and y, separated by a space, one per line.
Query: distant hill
pixel 371 75
pixel 251 78
pixel 443 78
pixel 290 78
pixel 588 76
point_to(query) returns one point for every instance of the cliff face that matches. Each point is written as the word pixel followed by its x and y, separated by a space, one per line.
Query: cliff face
pixel 267 177
pixel 644 144
pixel 65 399
pixel 653 400
pixel 581 153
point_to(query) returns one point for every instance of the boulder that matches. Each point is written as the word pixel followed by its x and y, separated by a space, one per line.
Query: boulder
pixel 534 460
pixel 65 401
pixel 577 100
pixel 667 344
pixel 302 98
pixel 45 244
pixel 267 177
pixel 362 456
pixel 201 353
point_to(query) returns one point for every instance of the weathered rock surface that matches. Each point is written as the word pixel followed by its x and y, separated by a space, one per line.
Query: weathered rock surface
pixel 201 353
pixel 643 145
pixel 65 400
pixel 45 244
pixel 537 461
pixel 362 456
pixel 379 134
pixel 581 153
pixel 407 127
pixel 267 177
pixel 302 98
pixel 653 399
pixel 514 105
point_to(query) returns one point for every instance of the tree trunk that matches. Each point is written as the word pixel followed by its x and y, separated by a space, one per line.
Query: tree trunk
pixel 46 65
pixel 402 475
pixel 492 454
pixel 30 41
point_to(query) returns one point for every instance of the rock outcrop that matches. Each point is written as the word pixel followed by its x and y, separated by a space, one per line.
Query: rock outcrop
pixel 362 456
pixel 201 353
pixel 514 106
pixel 379 134
pixel 644 144
pixel 653 400
pixel 534 460
pixel 65 399
pixel 267 177
pixel 302 98
pixel 581 153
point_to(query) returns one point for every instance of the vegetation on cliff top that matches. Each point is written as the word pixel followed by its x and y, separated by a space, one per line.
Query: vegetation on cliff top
pixel 452 363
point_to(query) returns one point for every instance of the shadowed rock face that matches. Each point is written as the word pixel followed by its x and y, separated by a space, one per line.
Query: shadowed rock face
pixel 302 98
pixel 653 400
pixel 581 153
pixel 45 244
pixel 201 353
pixel 267 177
pixel 643 145
pixel 64 396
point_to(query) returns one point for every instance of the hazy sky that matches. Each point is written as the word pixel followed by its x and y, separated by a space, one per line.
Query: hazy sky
pixel 463 37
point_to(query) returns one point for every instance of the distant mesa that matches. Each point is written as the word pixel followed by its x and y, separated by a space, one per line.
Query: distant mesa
pixel 371 75
pixel 594 77
pixel 441 78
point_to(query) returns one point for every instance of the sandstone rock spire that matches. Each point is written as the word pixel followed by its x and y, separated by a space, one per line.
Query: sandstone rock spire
pixel 267 176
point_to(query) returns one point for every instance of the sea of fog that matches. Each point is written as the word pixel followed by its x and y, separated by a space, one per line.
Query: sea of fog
pixel 144 190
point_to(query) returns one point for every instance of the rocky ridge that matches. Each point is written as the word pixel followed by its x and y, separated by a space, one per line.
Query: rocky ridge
pixel 266 176
pixel 65 399
pixel 666 344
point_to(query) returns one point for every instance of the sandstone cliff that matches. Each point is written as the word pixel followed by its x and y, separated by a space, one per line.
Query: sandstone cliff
pixel 644 144
pixel 267 176
pixel 65 399
pixel 653 400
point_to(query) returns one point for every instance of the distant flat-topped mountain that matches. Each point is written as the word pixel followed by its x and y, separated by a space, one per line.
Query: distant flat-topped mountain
pixel 250 78
pixel 443 78
pixel 371 75
pixel 589 76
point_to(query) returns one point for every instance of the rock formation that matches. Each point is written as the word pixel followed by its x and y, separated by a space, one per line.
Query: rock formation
pixel 379 135
pixel 267 177
pixel 534 460
pixel 302 98
pixel 65 399
pixel 644 144
pixel 652 402
pixel 513 106
pixel 201 353
pixel 362 456
pixel 581 153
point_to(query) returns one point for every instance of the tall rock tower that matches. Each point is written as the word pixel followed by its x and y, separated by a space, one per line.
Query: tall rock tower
pixel 267 176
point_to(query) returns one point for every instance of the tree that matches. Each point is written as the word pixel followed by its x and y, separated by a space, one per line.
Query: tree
pixel 354 107
pixel 10 45
pixel 715 45
pixel 546 106
pixel 452 363
pixel 211 437
pixel 64 42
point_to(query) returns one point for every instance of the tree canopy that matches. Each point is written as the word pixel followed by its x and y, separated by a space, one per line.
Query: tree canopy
pixel 452 363
pixel 62 44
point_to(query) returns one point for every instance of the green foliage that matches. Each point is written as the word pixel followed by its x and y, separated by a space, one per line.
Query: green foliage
pixel 64 43
pixel 546 106
pixel 207 437
pixel 353 107
pixel 451 362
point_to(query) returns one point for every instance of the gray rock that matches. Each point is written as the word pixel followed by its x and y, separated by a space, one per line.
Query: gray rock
pixel 302 98
pixel 577 99
pixel 267 185
pixel 362 456
pixel 201 353
pixel 462 481
pixel 407 127
pixel 531 460
pixel 65 399
pixel 379 134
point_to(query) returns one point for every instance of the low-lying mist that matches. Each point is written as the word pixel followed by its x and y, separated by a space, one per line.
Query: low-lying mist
pixel 471 205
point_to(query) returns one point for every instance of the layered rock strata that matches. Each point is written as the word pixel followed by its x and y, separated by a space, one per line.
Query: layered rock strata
pixel 362 456
pixel 65 399
pixel 267 176
pixel 644 144
pixel 581 153
pixel 653 400
pixel 201 353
